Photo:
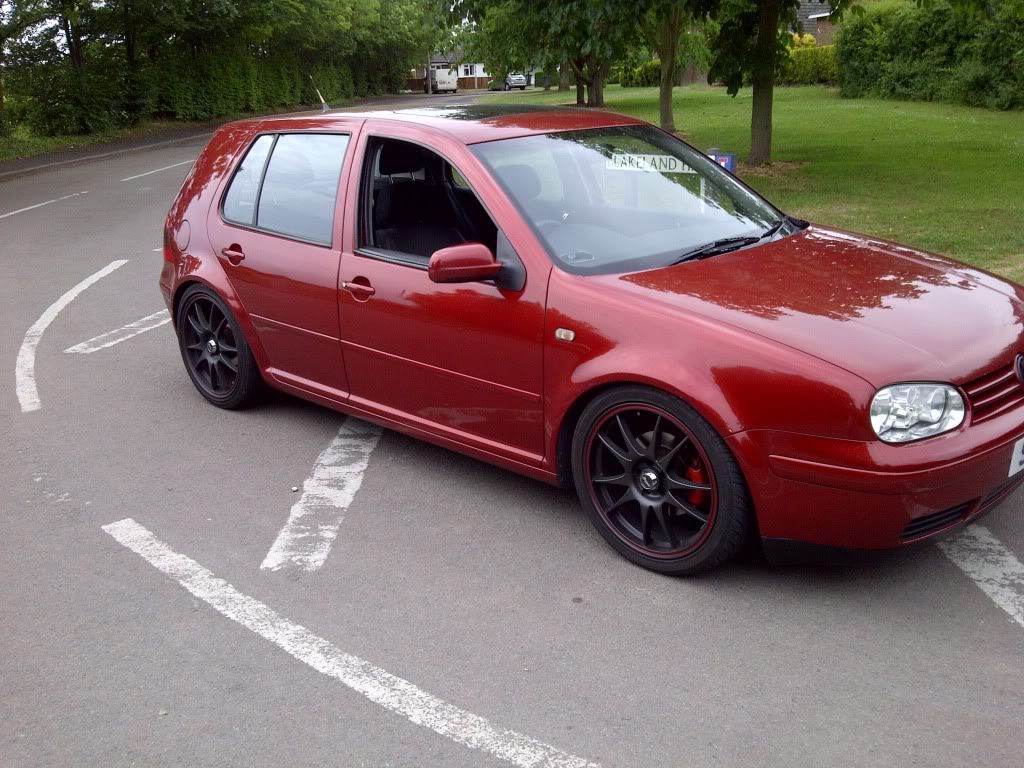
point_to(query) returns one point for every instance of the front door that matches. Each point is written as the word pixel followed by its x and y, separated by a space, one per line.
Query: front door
pixel 462 360
pixel 274 234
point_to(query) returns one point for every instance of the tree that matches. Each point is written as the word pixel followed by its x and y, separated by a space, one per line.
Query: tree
pixel 15 17
pixel 588 35
pixel 751 36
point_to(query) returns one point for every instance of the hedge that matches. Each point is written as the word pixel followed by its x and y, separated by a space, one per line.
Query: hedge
pixel 809 66
pixel 187 86
pixel 936 54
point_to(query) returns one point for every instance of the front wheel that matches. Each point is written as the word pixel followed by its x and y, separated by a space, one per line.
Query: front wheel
pixel 658 482
pixel 508 87
pixel 215 353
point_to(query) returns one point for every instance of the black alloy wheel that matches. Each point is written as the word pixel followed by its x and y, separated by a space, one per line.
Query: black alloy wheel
pixel 214 350
pixel 658 482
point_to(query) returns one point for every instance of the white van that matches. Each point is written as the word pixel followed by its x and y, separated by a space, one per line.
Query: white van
pixel 443 81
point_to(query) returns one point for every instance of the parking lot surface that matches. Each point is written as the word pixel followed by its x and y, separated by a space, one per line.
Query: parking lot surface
pixel 169 599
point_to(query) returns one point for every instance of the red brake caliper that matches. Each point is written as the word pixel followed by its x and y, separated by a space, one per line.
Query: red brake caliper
pixel 695 474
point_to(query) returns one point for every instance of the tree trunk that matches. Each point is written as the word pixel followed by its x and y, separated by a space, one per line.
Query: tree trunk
pixel 564 74
pixel 595 86
pixel 581 97
pixel 5 128
pixel 668 51
pixel 763 79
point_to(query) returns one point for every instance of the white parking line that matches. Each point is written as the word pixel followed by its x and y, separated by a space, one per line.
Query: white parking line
pixel 994 568
pixel 40 205
pixel 157 170
pixel 379 686
pixel 125 332
pixel 25 367
pixel 306 539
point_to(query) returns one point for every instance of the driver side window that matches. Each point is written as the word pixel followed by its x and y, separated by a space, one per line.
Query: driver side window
pixel 414 203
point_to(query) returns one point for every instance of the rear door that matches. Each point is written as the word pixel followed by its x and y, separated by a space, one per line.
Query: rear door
pixel 277 236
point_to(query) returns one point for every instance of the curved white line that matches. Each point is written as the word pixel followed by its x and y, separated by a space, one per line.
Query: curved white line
pixel 25 368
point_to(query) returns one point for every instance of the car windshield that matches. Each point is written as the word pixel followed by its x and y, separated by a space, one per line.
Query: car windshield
pixel 624 198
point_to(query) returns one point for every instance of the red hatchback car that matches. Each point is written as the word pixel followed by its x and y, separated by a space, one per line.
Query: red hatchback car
pixel 585 299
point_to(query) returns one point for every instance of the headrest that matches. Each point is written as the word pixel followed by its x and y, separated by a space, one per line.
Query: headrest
pixel 522 181
pixel 399 157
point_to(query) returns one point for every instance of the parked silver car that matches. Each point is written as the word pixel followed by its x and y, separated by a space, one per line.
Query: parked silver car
pixel 515 80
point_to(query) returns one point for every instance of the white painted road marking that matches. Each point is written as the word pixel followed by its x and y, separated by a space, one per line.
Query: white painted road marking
pixel 25 368
pixel 996 570
pixel 157 170
pixel 40 205
pixel 379 686
pixel 125 332
pixel 306 539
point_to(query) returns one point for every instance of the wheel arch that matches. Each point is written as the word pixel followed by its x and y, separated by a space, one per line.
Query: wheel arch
pixel 571 414
pixel 229 298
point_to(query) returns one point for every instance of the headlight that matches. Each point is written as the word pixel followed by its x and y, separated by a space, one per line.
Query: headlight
pixel 905 412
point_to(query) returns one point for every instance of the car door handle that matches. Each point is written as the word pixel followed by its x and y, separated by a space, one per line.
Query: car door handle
pixel 233 253
pixel 362 291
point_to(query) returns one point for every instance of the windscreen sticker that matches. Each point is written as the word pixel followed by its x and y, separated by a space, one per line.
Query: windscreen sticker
pixel 622 161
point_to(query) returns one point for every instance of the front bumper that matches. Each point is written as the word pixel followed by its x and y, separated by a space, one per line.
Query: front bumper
pixel 869 495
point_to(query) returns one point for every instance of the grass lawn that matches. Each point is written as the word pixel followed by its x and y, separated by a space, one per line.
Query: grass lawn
pixel 23 143
pixel 948 179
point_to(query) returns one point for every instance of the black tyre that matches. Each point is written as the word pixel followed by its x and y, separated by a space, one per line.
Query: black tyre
pixel 215 353
pixel 508 87
pixel 658 482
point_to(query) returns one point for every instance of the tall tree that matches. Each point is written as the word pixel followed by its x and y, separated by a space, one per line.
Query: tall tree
pixel 589 35
pixel 15 17
pixel 752 34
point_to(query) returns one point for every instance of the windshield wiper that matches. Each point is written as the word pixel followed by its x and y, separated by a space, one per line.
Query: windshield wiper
pixel 724 245
pixel 727 244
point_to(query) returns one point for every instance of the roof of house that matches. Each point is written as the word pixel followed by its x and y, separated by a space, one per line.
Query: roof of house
pixel 812 10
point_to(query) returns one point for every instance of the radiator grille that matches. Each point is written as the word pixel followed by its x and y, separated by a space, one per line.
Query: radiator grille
pixel 994 393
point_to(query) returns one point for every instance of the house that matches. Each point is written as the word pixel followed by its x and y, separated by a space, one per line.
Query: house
pixel 815 17
pixel 471 75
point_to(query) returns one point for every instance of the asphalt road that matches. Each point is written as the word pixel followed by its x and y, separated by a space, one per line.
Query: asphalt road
pixel 480 591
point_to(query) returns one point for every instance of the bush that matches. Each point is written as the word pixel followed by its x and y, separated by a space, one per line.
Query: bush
pixel 809 66
pixel 935 54
pixel 645 75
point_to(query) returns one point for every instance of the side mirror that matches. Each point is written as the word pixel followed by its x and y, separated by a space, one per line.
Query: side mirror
pixel 464 263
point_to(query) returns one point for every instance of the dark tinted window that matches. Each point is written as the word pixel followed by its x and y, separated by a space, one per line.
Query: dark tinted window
pixel 301 184
pixel 240 201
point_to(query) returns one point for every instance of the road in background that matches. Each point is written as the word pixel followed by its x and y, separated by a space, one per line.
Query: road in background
pixel 487 593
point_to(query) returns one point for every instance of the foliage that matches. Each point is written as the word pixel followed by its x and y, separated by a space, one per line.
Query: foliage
pixel 587 36
pixel 809 66
pixel 936 52
pixel 80 66
pixel 643 75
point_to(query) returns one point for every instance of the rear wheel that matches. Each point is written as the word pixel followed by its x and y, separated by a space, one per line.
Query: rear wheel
pixel 658 482
pixel 215 353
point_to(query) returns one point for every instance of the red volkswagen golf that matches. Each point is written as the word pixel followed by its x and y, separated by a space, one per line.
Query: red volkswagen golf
pixel 585 299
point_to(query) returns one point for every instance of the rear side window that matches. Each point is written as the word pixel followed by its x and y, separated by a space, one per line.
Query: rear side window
pixel 240 201
pixel 301 184
pixel 295 191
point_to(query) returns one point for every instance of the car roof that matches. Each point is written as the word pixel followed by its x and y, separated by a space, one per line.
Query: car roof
pixel 475 123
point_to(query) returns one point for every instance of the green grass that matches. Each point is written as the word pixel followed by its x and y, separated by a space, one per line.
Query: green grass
pixel 23 143
pixel 945 178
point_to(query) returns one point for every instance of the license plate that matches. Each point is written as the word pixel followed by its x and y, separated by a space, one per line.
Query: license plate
pixel 1017 460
